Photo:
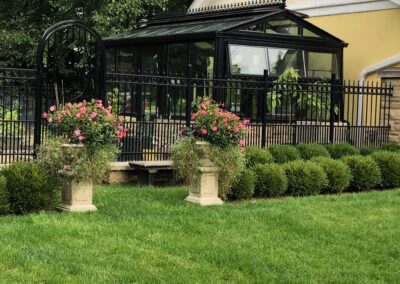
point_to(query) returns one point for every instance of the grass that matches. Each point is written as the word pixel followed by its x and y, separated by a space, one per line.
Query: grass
pixel 149 235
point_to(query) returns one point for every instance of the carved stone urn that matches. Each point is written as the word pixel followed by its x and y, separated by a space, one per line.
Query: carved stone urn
pixel 205 191
pixel 76 195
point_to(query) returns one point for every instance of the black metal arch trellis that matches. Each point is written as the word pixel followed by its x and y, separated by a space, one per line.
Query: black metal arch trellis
pixel 57 56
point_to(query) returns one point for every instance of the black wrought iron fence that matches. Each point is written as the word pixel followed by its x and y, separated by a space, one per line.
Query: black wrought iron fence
pixel 156 108
pixel 281 111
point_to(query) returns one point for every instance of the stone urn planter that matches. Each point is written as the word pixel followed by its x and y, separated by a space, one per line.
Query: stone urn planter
pixel 205 191
pixel 76 195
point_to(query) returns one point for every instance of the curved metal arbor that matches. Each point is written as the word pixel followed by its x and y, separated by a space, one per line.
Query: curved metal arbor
pixel 70 66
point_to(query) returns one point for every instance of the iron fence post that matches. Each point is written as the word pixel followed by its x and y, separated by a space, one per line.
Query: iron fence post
pixel 332 109
pixel 189 96
pixel 264 110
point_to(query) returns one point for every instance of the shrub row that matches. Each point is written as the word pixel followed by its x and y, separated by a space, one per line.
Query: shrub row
pixel 26 187
pixel 276 171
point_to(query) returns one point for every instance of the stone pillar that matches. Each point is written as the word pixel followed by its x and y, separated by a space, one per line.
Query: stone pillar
pixel 76 196
pixel 392 76
pixel 205 192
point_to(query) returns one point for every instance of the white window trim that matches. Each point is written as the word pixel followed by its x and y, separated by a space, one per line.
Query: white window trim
pixel 334 7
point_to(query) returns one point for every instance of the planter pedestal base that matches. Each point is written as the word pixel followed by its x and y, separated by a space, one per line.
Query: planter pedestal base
pixel 206 191
pixel 76 196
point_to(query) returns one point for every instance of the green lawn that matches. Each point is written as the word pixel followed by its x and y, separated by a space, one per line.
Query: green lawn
pixel 149 235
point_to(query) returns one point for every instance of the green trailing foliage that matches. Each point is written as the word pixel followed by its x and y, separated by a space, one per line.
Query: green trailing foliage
pixel 30 188
pixel 339 150
pixel 271 180
pixel 365 172
pixel 85 163
pixel 389 165
pixel 255 155
pixel 4 204
pixel 229 160
pixel 244 186
pixel 338 173
pixel 305 178
pixel 308 151
pixel 284 153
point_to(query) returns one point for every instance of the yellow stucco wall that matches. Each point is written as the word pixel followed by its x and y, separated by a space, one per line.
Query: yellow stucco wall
pixel 372 36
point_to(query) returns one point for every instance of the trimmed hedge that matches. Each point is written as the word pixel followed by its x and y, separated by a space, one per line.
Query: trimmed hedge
pixel 339 150
pixel 389 165
pixel 338 173
pixel 308 151
pixel 255 155
pixel 365 171
pixel 284 153
pixel 391 146
pixel 305 178
pixel 4 205
pixel 244 186
pixel 30 188
pixel 368 150
pixel 271 180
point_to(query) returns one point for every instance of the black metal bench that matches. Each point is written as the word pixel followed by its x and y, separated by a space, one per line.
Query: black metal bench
pixel 147 170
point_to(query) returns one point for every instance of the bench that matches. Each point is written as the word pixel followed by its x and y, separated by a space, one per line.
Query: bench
pixel 147 170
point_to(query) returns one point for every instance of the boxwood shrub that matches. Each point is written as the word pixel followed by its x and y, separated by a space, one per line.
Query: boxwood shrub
pixel 243 188
pixel 284 153
pixel 389 165
pixel 4 205
pixel 29 187
pixel 271 180
pixel 339 150
pixel 305 178
pixel 368 150
pixel 255 155
pixel 391 146
pixel 365 172
pixel 338 173
pixel 308 151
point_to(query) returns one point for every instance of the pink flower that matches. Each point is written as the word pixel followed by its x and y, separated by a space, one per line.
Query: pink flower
pixel 45 114
pixel 78 115
pixel 81 138
pixel 53 108
pixel 69 105
pixel 241 142
pixel 59 117
pixel 202 112
pixel 82 110
pixel 246 121
pixel 214 128
pixel 204 131
pixel 51 120
pixel 93 115
pixel 236 129
pixel 77 132
pixel 109 115
pixel 203 105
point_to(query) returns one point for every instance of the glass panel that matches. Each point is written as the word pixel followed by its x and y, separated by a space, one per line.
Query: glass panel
pixel 282 26
pixel 177 65
pixel 150 65
pixel 256 28
pixel 321 65
pixel 307 32
pixel 202 58
pixel 111 60
pixel 150 60
pixel 249 60
pixel 280 59
pixel 177 58
pixel 125 60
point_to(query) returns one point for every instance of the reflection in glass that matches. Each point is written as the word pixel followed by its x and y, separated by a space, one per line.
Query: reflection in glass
pixel 125 60
pixel 321 65
pixel 282 26
pixel 248 60
pixel 280 59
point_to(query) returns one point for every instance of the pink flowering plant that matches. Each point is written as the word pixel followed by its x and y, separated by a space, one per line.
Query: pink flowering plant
pixel 89 123
pixel 214 124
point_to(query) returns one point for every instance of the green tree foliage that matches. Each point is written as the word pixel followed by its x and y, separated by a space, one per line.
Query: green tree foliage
pixel 22 22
